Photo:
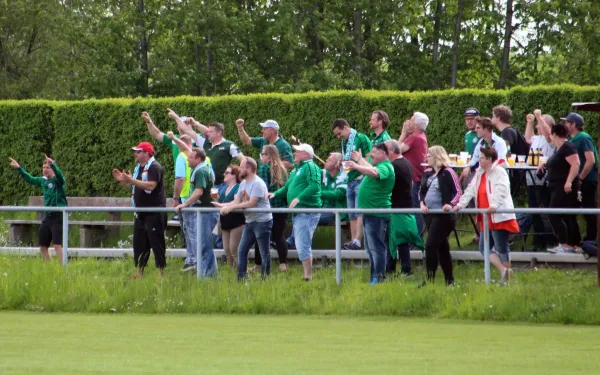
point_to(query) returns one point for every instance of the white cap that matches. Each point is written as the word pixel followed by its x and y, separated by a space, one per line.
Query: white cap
pixel 270 124
pixel 306 148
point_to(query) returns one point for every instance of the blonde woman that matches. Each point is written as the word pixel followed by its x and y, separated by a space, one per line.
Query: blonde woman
pixel 440 189
pixel 274 174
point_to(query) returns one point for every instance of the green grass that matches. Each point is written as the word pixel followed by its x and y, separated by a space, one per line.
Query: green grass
pixel 89 285
pixel 184 344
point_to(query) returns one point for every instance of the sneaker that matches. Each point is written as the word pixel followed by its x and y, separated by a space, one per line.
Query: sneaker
pixel 351 246
pixel 374 281
pixel 406 274
pixel 188 267
pixel 175 217
pixel 291 245
pixel 561 250
pixel 503 276
pixel 577 250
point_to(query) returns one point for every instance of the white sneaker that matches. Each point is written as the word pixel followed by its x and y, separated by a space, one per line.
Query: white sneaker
pixel 561 250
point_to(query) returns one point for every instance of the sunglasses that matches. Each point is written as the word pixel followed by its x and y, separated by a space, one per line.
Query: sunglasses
pixel 227 172
pixel 138 151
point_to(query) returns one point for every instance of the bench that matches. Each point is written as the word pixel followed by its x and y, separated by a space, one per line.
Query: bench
pixel 91 233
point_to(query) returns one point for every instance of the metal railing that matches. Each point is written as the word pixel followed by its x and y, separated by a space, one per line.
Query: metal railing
pixel 336 211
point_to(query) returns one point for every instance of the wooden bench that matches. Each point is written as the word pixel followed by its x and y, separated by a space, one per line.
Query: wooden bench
pixel 91 233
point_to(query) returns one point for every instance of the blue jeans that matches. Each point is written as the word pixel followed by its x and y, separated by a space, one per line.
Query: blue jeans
pixel 352 196
pixel 255 232
pixel 325 219
pixel 376 244
pixel 498 241
pixel 189 233
pixel 304 229
pixel 208 261
pixel 416 204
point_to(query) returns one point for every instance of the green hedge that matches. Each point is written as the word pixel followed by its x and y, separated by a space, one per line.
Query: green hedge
pixel 91 137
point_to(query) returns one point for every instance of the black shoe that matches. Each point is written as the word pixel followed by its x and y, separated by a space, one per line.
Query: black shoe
pixel 351 246
pixel 188 267
pixel 406 273
pixel 423 284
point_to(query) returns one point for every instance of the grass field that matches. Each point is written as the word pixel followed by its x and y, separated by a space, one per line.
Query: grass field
pixel 101 286
pixel 34 343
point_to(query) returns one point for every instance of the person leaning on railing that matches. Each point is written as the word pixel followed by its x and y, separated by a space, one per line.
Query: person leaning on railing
pixel 440 189
pixel 53 188
pixel 232 225
pixel 563 182
pixel 491 189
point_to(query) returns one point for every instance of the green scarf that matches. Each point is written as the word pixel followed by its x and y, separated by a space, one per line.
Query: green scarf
pixel 403 229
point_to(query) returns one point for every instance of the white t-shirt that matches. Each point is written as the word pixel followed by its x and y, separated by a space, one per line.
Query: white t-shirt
pixel 548 149
pixel 255 188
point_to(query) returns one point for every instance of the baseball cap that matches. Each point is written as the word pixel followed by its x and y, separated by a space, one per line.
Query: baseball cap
pixel 306 148
pixel 472 111
pixel 270 124
pixel 144 146
pixel 574 117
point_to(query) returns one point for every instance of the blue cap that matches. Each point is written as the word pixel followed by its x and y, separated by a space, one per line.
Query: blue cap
pixel 472 111
pixel 575 118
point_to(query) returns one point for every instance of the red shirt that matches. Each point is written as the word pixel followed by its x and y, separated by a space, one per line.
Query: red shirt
pixel 417 154
pixel 483 202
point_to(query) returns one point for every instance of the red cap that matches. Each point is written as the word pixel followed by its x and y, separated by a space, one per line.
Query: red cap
pixel 144 146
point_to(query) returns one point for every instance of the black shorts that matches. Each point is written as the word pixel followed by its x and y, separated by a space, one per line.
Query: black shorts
pixel 51 230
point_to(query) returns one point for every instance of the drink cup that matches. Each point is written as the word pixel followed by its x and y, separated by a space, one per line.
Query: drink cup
pixel 345 167
pixel 453 158
pixel 214 193
pixel 468 159
pixel 511 160
pixel 521 159
pixel 543 159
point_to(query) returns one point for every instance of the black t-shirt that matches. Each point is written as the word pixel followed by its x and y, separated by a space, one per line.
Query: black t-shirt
pixel 156 198
pixel 402 192
pixel 558 167
pixel 515 140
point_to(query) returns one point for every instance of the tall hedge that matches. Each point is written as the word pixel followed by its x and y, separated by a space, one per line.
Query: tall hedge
pixel 91 137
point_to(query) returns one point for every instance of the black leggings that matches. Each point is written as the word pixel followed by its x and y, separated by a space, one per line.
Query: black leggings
pixel 437 247
pixel 565 226
pixel 277 236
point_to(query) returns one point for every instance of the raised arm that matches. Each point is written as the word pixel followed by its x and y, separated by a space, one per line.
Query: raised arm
pixel 529 128
pixel 545 127
pixel 182 146
pixel 36 181
pixel 152 129
pixel 244 137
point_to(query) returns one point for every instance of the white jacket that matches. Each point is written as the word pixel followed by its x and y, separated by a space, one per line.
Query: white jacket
pixel 498 192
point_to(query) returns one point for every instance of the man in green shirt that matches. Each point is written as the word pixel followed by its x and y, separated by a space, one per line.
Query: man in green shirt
pixel 202 181
pixel 375 192
pixel 53 188
pixel 379 123
pixel 303 190
pixel 471 138
pixel 352 141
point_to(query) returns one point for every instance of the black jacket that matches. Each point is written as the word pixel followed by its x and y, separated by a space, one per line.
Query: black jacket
pixel 449 185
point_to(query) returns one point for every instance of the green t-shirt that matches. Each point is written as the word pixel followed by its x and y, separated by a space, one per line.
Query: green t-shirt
pixel 377 192
pixel 53 189
pixel 174 148
pixel 362 143
pixel 203 178
pixel 284 148
pixel 221 156
pixel 471 140
pixel 382 137
pixel 584 143
pixel 333 191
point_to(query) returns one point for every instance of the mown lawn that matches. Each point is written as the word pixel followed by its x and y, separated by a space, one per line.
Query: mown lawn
pixel 99 286
pixel 40 343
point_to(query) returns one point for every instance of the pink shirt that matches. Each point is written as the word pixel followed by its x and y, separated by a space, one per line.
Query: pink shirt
pixel 417 154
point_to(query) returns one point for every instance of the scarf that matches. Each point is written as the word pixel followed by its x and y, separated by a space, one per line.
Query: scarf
pixel 136 172
pixel 349 145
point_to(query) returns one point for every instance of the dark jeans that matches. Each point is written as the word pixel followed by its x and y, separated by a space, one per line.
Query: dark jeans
pixel 375 230
pixel 149 232
pixel 403 255
pixel 437 246
pixel 565 226
pixel 539 197
pixel 416 204
pixel 589 200
pixel 259 232
pixel 277 236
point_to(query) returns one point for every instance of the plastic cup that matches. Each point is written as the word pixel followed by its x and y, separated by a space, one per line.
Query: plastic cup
pixel 511 160
pixel 453 158
pixel 463 155
pixel 543 159
pixel 345 166
pixel 521 159
pixel 214 193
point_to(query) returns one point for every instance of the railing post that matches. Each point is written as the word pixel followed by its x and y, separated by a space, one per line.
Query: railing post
pixel 338 248
pixel 65 241
pixel 198 244
pixel 486 249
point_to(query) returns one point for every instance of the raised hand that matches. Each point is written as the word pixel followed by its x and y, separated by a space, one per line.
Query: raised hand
pixel 537 113
pixel 14 163
pixel 530 118
pixel 170 135
pixel 239 123
pixel 172 114
pixel 146 118
pixel 48 160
